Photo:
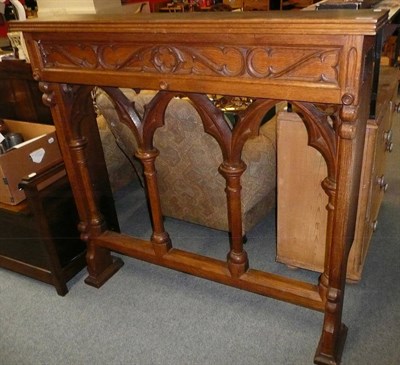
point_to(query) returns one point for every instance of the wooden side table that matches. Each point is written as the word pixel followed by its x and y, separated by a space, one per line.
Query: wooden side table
pixel 39 237
pixel 305 58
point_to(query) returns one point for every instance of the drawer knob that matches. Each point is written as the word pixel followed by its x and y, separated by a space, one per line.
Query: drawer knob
pixel 382 183
pixel 388 136
pixel 374 225
pixel 389 146
pixel 396 108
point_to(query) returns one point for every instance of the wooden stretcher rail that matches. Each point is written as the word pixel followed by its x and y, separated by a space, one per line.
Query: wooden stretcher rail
pixel 271 285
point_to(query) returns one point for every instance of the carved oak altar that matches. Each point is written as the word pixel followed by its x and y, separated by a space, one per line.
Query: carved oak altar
pixel 312 59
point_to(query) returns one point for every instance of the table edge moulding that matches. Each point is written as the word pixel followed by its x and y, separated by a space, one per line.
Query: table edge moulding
pixel 307 58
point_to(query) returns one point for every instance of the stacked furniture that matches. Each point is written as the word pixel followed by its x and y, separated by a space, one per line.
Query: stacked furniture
pixel 301 232
pixel 39 237
pixel 300 241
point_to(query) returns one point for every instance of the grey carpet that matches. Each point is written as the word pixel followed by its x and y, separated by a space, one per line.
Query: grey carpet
pixel 148 315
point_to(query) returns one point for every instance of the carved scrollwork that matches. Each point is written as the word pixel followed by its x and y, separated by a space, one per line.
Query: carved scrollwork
pixel 309 64
pixel 248 126
pixel 75 54
pixel 279 63
pixel 143 128
pixel 321 135
pixel 127 112
pixel 227 61
pixel 214 122
pixel 167 59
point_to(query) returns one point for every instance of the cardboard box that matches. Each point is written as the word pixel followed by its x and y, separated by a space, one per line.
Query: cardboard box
pixel 39 151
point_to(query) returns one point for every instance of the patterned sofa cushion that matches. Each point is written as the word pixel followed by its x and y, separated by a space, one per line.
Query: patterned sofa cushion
pixel 191 187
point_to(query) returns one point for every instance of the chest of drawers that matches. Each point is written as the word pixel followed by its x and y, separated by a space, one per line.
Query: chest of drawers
pixel 301 232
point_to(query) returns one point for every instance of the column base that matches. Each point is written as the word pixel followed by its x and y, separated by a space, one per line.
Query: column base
pixel 98 280
pixel 332 359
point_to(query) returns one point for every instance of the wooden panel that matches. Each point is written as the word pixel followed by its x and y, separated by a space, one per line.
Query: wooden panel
pixel 314 60
pixel 20 97
pixel 383 147
pixel 364 229
pixel 250 5
pixel 302 215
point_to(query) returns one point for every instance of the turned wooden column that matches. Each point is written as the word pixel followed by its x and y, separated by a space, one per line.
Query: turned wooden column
pixel 329 187
pixel 160 238
pixel 334 331
pixel 237 257
pixel 142 130
pixel 73 115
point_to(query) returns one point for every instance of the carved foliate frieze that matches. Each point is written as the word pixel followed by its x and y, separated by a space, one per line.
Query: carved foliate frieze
pixel 311 64
pixel 307 64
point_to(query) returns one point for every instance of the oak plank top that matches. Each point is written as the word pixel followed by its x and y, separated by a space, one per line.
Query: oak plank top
pixel 335 22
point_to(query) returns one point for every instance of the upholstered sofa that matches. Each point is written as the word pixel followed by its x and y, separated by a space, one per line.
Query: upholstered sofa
pixel 191 188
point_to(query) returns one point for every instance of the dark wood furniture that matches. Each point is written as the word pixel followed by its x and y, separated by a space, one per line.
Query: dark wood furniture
pixel 319 58
pixel 383 36
pixel 20 97
pixel 39 237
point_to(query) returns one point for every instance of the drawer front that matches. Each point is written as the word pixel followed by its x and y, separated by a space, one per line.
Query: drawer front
pixel 384 145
